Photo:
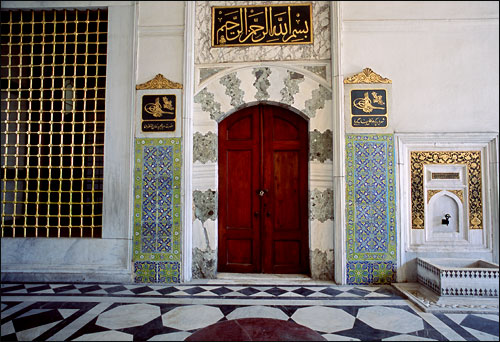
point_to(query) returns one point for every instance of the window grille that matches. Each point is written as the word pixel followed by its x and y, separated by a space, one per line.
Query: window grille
pixel 53 77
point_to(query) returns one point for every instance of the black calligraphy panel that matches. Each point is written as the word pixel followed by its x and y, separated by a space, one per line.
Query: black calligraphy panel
pixel 158 113
pixel 369 108
pixel 369 121
pixel 368 102
pixel 158 126
pixel 262 25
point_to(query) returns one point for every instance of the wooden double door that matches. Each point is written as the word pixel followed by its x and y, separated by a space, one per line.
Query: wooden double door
pixel 263 192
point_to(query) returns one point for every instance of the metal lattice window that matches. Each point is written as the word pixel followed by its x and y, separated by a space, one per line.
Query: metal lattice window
pixel 53 70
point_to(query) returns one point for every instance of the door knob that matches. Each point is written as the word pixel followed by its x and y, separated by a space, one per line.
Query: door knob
pixel 261 192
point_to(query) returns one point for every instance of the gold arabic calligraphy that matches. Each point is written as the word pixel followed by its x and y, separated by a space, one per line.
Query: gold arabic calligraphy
pixel 365 103
pixel 156 109
pixel 261 25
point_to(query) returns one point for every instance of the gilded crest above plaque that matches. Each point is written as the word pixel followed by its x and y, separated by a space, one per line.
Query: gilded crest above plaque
pixel 159 82
pixel 365 77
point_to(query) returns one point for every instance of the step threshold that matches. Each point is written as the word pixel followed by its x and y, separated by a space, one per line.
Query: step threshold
pixel 226 278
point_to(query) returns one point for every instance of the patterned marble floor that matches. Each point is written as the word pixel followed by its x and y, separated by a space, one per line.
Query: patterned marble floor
pixel 136 312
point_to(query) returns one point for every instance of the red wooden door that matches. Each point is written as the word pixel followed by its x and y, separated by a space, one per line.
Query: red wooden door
pixel 263 174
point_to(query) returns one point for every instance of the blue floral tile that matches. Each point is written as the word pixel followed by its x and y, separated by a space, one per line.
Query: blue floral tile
pixel 371 208
pixel 157 207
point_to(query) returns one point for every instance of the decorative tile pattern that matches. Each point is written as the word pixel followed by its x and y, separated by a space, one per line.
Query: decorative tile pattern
pixel 202 290
pixel 168 272
pixel 371 209
pixel 157 210
pixel 371 272
pixel 145 271
pixel 119 312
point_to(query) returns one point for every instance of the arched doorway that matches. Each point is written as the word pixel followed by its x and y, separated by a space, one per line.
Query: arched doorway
pixel 263 191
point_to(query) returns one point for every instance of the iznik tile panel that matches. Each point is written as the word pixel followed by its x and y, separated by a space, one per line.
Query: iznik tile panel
pixel 157 210
pixel 371 209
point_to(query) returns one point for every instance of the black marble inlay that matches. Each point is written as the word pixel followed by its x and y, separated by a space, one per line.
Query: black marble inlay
pixel 364 332
pixel 221 291
pixel 36 319
pixel 114 289
pixel 167 290
pixel 303 291
pixel 429 332
pixel 141 289
pixel 249 291
pixel 331 292
pixel 11 288
pixel 88 328
pixel 64 288
pixel 194 290
pixel 359 292
pixel 38 288
pixel 276 291
pixel 482 324
pixel 456 327
pixel 90 288
pixel 148 330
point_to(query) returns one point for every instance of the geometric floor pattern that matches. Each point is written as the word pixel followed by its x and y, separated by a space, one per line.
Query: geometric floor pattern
pixel 131 312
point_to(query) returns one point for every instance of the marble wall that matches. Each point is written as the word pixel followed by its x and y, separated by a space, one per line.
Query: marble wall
pixel 371 239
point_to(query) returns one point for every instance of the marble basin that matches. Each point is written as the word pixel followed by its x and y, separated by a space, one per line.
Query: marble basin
pixel 458 277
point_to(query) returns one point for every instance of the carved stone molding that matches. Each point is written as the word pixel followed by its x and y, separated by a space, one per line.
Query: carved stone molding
pixel 366 76
pixel 458 193
pixel 159 82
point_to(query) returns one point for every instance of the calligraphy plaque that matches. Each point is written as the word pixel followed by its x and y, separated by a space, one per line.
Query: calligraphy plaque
pixel 445 175
pixel 368 108
pixel 262 25
pixel 158 113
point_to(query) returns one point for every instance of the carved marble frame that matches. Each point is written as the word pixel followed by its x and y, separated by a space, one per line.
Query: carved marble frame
pixel 217 106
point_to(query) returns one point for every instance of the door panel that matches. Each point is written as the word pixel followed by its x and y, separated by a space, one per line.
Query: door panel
pixel 263 149
pixel 286 191
pixel 239 230
pixel 284 129
pixel 239 190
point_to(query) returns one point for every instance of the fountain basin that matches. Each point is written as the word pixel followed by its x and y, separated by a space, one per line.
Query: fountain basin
pixel 458 277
